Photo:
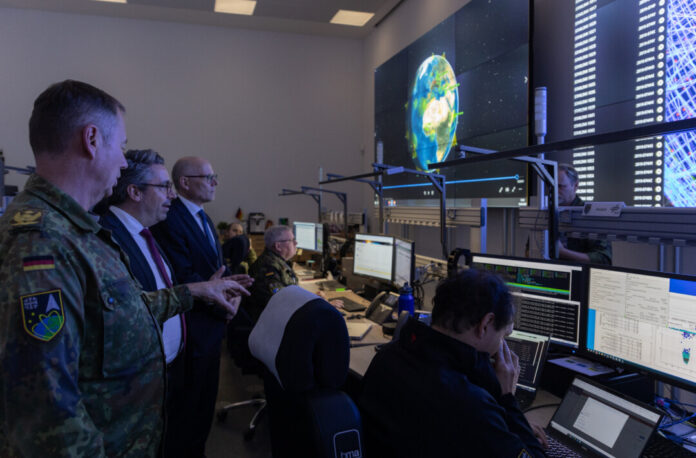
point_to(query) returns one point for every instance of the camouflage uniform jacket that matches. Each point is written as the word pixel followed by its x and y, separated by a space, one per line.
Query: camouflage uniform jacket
pixel 81 352
pixel 271 273
pixel 599 251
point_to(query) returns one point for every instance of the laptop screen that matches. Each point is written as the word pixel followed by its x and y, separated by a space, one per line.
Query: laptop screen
pixel 604 422
pixel 531 349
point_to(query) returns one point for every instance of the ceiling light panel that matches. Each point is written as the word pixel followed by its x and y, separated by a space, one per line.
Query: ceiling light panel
pixel 113 1
pixel 235 6
pixel 354 18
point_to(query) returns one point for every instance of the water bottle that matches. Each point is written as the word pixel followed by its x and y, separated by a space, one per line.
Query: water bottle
pixel 406 299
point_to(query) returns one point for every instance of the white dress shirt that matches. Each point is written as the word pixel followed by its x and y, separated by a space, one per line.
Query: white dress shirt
pixel 171 330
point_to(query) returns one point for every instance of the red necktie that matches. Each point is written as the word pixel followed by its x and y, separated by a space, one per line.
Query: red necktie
pixel 157 257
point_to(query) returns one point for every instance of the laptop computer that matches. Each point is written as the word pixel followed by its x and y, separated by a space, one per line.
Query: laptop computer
pixel 594 420
pixel 531 349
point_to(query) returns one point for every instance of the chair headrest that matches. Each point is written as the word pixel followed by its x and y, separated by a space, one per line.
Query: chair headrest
pixel 302 340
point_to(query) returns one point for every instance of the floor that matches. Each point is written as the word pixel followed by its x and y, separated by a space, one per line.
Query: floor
pixel 226 437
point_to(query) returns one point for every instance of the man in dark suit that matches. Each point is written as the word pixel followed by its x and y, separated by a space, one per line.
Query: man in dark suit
pixel 187 235
pixel 141 198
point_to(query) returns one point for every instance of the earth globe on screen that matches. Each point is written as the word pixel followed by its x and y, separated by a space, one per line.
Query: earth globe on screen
pixel 431 114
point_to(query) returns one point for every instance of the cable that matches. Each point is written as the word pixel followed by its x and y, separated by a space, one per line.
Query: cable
pixel 542 406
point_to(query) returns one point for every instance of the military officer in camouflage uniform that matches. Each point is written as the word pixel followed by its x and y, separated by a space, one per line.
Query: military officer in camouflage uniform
pixel 81 352
pixel 271 271
pixel 574 249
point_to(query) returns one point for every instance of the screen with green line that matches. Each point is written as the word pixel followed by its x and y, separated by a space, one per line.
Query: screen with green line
pixel 548 295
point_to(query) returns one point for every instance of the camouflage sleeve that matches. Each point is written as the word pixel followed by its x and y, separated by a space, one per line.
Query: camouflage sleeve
pixel 168 302
pixel 43 326
pixel 267 282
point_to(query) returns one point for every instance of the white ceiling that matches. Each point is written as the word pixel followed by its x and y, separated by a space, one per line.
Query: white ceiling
pixel 296 16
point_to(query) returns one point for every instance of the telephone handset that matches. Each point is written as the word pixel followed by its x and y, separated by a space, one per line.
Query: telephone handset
pixel 381 307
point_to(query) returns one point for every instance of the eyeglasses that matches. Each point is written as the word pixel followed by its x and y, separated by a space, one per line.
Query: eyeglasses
pixel 287 240
pixel 209 178
pixel 169 186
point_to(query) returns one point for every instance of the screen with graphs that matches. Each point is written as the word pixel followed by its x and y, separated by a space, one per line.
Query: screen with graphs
pixel 611 65
pixel 643 319
pixel 548 296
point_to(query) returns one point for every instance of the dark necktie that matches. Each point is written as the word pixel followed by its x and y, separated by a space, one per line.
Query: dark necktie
pixel 157 257
pixel 206 229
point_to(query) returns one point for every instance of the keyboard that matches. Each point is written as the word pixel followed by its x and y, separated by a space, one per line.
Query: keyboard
pixel 556 449
pixel 660 446
pixel 349 305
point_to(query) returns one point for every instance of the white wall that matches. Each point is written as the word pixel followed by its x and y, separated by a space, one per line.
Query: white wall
pixel 267 109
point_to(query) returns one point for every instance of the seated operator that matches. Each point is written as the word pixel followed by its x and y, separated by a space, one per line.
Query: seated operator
pixel 271 271
pixel 448 390
pixel 580 250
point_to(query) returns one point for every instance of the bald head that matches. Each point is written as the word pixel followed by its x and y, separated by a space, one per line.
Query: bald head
pixel 194 179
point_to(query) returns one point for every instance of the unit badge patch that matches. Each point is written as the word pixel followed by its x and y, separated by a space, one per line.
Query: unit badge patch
pixel 42 314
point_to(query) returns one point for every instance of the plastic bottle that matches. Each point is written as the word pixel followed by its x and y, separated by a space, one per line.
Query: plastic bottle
pixel 406 299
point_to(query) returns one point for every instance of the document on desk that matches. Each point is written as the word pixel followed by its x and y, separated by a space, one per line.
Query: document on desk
pixel 357 331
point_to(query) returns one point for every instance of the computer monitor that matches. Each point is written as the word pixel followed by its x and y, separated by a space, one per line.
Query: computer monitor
pixel 374 256
pixel 306 235
pixel 642 319
pixel 319 237
pixel 404 262
pixel 548 295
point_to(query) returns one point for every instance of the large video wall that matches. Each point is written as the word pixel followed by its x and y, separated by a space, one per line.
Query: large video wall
pixel 463 83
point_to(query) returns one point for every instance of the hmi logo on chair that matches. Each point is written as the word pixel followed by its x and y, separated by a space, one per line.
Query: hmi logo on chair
pixel 347 444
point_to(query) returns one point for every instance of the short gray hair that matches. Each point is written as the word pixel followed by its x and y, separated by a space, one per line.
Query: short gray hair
pixel 137 172
pixel 570 172
pixel 274 234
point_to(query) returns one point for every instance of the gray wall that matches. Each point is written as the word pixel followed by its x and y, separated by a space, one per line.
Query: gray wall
pixel 267 109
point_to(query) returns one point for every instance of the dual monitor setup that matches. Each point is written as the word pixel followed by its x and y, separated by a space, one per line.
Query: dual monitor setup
pixel 385 258
pixel 637 320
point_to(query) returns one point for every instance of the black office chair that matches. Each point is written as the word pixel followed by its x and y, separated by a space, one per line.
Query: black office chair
pixel 238 331
pixel 304 344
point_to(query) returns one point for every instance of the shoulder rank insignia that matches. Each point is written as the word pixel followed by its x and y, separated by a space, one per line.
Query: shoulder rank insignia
pixel 32 263
pixel 524 454
pixel 42 314
pixel 27 217
pixel 270 274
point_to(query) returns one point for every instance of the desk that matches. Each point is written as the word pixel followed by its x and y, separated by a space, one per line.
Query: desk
pixel 542 416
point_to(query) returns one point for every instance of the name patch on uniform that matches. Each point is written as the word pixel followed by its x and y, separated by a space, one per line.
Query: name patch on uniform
pixel 42 314
pixel 32 263
pixel 27 217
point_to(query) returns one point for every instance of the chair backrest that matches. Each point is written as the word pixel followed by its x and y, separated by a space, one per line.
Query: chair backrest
pixel 303 342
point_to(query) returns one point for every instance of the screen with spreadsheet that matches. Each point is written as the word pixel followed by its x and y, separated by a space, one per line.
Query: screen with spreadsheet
pixel 548 295
pixel 374 256
pixel 644 319
pixel 306 236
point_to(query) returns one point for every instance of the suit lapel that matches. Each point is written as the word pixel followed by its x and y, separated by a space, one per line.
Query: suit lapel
pixel 199 236
pixel 140 267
